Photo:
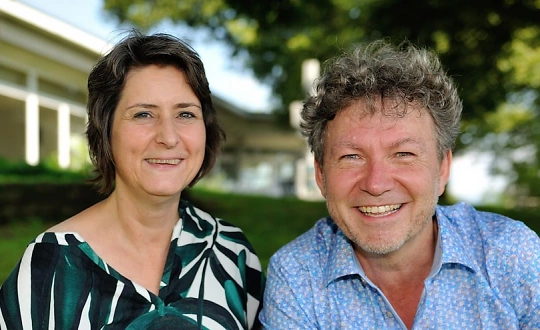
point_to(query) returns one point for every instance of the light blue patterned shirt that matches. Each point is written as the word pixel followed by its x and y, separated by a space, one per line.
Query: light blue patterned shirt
pixel 486 275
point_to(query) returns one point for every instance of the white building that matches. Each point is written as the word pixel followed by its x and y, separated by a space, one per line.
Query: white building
pixel 44 65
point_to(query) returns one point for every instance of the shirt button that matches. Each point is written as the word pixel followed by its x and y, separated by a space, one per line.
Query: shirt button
pixel 389 314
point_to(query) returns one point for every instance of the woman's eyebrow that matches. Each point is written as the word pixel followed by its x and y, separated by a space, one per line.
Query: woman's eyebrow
pixel 187 105
pixel 181 105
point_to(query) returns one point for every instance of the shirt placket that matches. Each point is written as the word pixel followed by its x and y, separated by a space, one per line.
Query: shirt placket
pixel 387 315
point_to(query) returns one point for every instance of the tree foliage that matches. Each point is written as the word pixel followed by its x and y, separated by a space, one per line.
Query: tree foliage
pixel 491 48
pixel 470 36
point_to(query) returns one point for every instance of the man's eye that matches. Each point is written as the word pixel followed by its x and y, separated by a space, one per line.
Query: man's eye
pixel 404 154
pixel 351 156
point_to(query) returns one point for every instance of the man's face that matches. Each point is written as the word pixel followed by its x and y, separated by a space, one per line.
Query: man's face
pixel 381 176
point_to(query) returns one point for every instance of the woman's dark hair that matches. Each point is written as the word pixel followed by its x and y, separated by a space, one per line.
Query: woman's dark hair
pixel 106 83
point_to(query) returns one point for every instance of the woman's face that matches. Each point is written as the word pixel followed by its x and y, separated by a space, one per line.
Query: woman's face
pixel 158 132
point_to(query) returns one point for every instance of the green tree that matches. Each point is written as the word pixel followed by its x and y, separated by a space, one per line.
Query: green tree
pixel 276 35
pixel 470 36
pixel 490 47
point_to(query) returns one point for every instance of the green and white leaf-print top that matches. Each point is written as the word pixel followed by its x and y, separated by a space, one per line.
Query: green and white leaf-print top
pixel 212 280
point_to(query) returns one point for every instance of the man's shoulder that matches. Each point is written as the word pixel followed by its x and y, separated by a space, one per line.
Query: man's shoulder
pixel 465 217
pixel 487 235
pixel 504 251
pixel 311 247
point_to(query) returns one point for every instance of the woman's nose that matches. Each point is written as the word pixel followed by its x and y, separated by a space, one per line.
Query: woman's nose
pixel 167 133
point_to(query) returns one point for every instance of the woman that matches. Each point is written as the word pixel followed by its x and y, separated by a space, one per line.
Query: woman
pixel 142 258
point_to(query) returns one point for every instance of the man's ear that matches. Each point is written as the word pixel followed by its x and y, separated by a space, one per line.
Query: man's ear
pixel 444 171
pixel 319 177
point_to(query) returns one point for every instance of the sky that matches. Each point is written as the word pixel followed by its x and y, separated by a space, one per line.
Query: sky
pixel 469 179
pixel 226 76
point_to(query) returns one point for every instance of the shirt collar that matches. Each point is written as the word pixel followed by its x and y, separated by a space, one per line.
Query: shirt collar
pixel 341 257
pixel 451 244
pixel 450 249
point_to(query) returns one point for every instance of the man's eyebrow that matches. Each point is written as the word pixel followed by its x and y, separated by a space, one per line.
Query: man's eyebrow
pixel 403 141
pixel 346 144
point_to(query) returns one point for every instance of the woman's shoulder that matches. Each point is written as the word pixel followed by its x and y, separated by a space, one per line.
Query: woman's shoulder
pixel 200 222
pixel 199 226
pixel 79 222
pixel 44 254
pixel 87 226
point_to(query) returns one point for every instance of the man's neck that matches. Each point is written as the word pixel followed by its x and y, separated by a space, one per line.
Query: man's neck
pixel 400 275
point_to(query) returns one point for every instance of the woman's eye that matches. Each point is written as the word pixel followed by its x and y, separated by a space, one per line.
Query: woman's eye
pixel 186 115
pixel 142 115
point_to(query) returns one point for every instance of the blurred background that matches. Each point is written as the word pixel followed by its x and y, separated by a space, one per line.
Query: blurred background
pixel 261 57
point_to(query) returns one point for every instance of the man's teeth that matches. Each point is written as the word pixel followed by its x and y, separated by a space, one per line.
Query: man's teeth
pixel 379 209
pixel 163 161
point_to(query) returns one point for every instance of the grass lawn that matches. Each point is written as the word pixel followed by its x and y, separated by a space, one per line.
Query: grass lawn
pixel 14 238
pixel 268 223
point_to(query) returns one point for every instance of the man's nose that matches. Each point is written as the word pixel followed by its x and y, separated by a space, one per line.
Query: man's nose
pixel 377 178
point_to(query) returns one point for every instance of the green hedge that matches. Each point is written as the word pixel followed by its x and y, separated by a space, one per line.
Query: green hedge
pixel 269 223
pixel 50 195
pixel 46 171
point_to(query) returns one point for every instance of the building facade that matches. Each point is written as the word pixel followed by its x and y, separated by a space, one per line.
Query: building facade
pixel 44 65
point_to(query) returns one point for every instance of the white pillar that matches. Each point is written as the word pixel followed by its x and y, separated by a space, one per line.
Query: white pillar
pixel 311 69
pixel 64 136
pixel 32 120
pixel 305 184
pixel 294 114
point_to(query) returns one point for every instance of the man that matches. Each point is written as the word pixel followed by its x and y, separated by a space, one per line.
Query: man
pixel 382 126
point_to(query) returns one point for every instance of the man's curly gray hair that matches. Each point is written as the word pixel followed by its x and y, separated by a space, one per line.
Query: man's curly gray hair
pixel 381 71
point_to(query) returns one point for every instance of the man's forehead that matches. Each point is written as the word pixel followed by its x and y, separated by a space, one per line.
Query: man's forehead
pixel 389 107
pixel 408 124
